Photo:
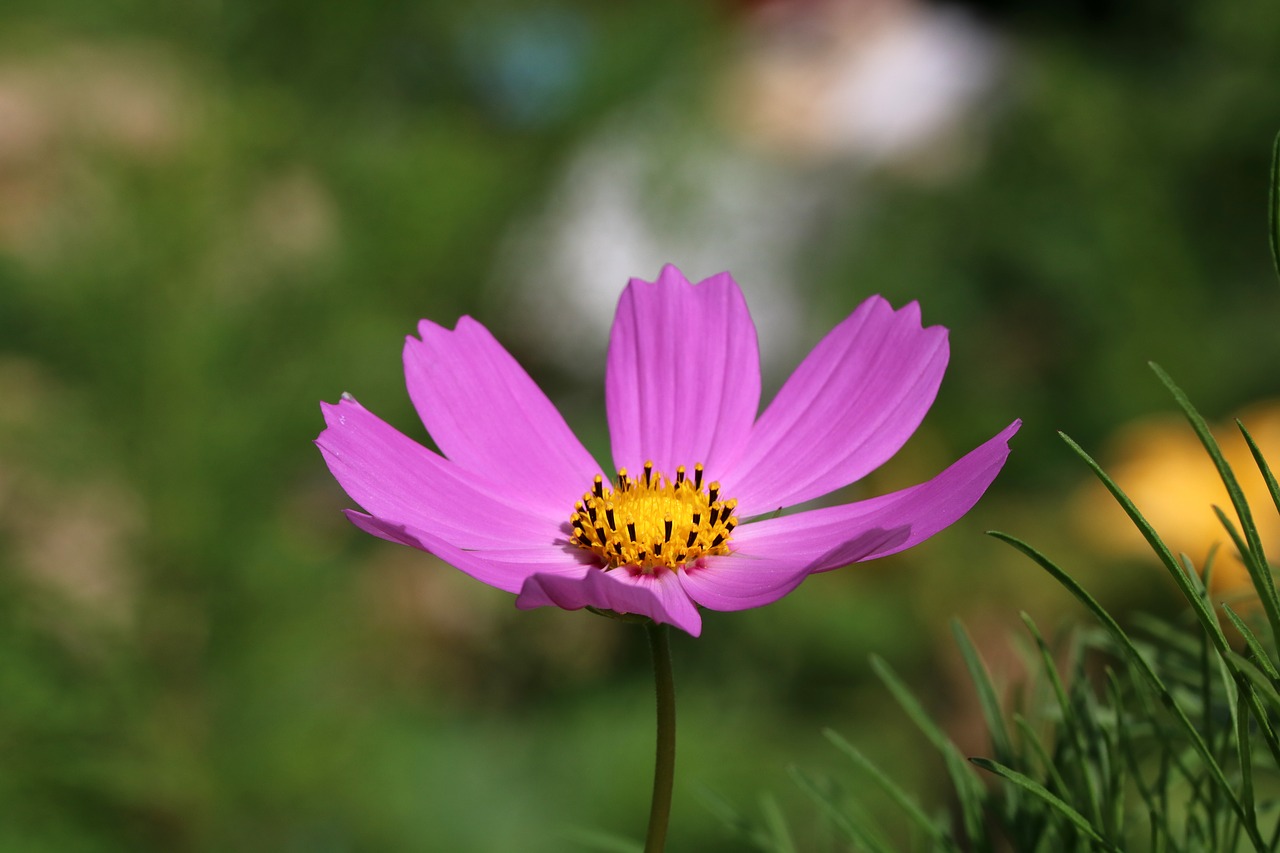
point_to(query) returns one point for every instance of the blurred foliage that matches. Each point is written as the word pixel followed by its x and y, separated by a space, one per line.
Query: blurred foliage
pixel 215 214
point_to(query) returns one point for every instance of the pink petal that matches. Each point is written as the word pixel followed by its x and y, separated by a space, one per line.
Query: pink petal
pixel 383 529
pixel 849 406
pixel 486 414
pixel 739 581
pixel 507 568
pixel 403 483
pixel 683 376
pixel 824 539
pixel 660 597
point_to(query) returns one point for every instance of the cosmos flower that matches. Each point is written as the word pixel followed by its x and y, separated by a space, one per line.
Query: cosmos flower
pixel 691 519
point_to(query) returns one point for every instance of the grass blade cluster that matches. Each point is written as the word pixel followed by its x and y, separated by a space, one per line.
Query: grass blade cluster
pixel 1157 735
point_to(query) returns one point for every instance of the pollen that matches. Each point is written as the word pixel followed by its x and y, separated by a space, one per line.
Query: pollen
pixel 650 523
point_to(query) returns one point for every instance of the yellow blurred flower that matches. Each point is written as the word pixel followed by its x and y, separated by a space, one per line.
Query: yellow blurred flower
pixel 1161 465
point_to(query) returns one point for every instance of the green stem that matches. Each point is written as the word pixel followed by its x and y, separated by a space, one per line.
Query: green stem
pixel 665 762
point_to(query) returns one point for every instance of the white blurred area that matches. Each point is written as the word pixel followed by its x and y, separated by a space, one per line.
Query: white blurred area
pixel 739 169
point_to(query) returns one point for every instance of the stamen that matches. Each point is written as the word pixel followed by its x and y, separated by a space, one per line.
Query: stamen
pixel 651 524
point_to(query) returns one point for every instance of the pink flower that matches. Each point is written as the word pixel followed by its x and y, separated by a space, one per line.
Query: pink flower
pixel 691 518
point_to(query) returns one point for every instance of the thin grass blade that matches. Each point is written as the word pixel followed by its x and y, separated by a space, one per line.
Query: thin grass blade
pixel 1254 556
pixel 1149 675
pixel 776 824
pixel 1069 723
pixel 904 800
pixel 1273 208
pixel 592 839
pixel 1037 790
pixel 1042 755
pixel 1260 658
pixel 1267 475
pixel 991 711
pixel 968 786
pixel 853 823
pixel 1203 613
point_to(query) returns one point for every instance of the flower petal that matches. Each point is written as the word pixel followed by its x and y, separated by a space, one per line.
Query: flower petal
pixel 403 483
pixel 682 383
pixel 849 406
pixel 739 581
pixel 823 539
pixel 660 597
pixel 489 417
pixel 507 569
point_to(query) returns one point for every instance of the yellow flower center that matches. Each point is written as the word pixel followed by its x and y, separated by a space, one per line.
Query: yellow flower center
pixel 652 523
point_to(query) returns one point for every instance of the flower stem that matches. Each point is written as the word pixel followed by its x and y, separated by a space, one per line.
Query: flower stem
pixel 665 762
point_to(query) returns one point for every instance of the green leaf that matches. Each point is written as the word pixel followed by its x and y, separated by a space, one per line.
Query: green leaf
pixel 1113 819
pixel 1201 608
pixel 904 800
pixel 1272 486
pixel 1260 658
pixel 1260 681
pixel 969 788
pixel 1255 559
pixel 1159 822
pixel 593 839
pixel 1172 637
pixel 1144 667
pixel 1040 792
pixel 1042 755
pixel 991 711
pixel 761 839
pixel 1200 604
pixel 1244 753
pixel 777 825
pixel 1274 208
pixel 853 822
pixel 1069 721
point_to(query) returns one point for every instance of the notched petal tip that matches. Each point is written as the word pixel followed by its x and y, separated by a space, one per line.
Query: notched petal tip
pixel 428 328
pixel 670 274
pixel 487 415
pixel 334 416
pixel 682 380
pixel 849 406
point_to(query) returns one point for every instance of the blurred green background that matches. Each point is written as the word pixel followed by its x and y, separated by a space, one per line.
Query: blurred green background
pixel 215 214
